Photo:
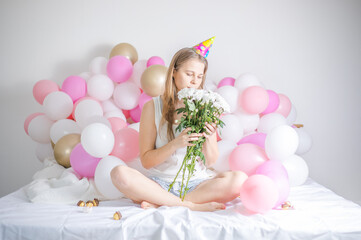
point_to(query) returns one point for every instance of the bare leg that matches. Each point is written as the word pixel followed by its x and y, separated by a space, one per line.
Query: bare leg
pixel 223 188
pixel 139 188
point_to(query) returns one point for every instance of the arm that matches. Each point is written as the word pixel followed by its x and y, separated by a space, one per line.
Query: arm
pixel 210 146
pixel 149 155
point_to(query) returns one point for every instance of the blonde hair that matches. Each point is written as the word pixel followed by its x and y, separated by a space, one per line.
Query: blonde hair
pixel 169 96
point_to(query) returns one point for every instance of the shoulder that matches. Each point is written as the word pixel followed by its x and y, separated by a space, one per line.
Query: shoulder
pixel 148 114
pixel 148 106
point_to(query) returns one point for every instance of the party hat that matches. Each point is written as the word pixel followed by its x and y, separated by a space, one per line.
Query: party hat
pixel 203 47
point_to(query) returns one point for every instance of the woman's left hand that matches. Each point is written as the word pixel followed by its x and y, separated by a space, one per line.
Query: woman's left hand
pixel 210 130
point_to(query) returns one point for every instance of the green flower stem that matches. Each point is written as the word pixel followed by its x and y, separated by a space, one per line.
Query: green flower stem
pixel 181 193
pixel 190 172
pixel 180 169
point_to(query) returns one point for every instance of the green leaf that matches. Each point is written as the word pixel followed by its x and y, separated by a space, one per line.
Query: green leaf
pixel 180 110
pixel 203 158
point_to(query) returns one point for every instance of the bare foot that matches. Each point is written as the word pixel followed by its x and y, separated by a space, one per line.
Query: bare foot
pixel 207 207
pixel 203 207
pixel 146 205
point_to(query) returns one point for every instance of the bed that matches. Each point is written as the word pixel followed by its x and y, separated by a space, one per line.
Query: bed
pixel 318 213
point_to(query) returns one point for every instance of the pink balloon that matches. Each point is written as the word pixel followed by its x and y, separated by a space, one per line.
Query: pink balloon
pixel 259 193
pixel 42 88
pixel 119 69
pixel 135 113
pixel 28 120
pixel 83 163
pixel 143 99
pixel 228 81
pixel 246 158
pixel 285 105
pixel 75 87
pixel 278 173
pixel 255 138
pixel 126 146
pixel 254 99
pixel 117 123
pixel 274 102
pixel 155 61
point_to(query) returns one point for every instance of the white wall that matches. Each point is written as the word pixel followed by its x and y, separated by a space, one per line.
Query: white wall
pixel 309 50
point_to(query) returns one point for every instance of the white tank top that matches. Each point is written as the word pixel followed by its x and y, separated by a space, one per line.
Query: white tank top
pixel 168 169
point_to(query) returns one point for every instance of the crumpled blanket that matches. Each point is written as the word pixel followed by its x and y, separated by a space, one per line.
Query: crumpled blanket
pixel 58 185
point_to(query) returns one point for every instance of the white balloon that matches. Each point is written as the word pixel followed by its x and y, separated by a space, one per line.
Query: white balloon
pixel 39 129
pixel 297 170
pixel 230 94
pixel 109 105
pixel 118 114
pixel 305 141
pixel 291 118
pixel 270 121
pixel 98 65
pixel 135 126
pixel 43 151
pixel 248 121
pixel 97 139
pixel 138 69
pixel 100 87
pixel 281 142
pixel 86 109
pixel 126 95
pixel 58 105
pixel 63 127
pixel 233 130
pixel 103 180
pixel 246 80
pixel 225 147
pixel 98 119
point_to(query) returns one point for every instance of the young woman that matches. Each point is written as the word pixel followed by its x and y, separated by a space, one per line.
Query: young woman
pixel 162 149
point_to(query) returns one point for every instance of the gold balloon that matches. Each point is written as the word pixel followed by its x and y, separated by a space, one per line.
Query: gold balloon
pixel 63 148
pixel 126 50
pixel 153 80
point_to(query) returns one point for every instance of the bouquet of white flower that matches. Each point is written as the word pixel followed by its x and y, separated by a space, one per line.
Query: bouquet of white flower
pixel 201 106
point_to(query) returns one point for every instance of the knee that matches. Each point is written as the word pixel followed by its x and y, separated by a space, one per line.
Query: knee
pixel 237 179
pixel 240 177
pixel 119 176
pixel 235 176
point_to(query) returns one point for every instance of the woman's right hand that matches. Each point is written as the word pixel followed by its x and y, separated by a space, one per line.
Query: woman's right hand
pixel 184 139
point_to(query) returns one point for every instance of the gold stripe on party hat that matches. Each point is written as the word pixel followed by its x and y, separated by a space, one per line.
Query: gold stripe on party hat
pixel 203 47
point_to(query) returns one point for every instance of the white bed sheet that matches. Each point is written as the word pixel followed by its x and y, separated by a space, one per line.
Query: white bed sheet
pixel 319 214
